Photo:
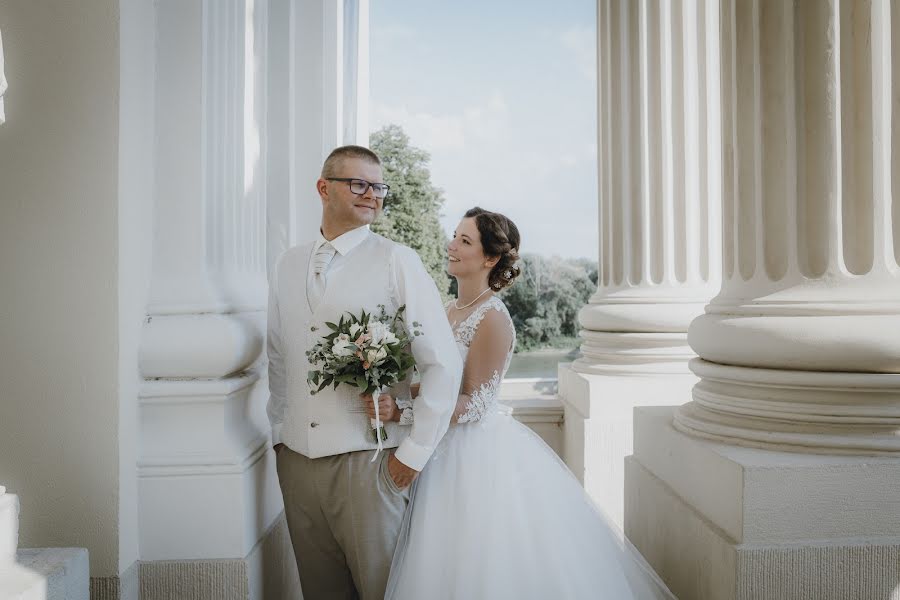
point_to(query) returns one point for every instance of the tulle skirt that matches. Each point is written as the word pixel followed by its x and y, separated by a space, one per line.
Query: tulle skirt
pixel 497 515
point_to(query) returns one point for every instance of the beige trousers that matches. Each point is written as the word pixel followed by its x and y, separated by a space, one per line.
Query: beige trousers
pixel 344 515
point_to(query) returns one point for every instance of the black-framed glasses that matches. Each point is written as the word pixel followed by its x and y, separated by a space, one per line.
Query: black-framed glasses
pixel 361 186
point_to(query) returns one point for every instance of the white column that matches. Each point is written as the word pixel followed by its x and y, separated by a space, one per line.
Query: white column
pixel 327 84
pixel 659 219
pixel 251 95
pixel 811 238
pixel 207 488
pixel 799 353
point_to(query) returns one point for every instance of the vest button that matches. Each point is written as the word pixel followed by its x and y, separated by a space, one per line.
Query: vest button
pixel 313 424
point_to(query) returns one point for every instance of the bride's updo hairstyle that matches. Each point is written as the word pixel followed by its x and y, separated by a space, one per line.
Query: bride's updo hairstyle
pixel 499 237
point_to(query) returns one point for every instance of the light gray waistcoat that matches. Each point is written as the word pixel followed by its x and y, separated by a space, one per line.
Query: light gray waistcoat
pixel 331 421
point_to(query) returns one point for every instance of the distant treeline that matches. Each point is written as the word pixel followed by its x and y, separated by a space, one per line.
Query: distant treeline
pixel 546 298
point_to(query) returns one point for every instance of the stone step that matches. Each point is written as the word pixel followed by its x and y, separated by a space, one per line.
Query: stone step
pixel 65 571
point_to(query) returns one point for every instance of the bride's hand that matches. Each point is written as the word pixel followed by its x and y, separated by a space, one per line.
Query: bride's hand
pixel 387 408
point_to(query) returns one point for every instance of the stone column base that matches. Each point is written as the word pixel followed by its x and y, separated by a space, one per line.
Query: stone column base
pixel 269 572
pixel 597 426
pixel 722 522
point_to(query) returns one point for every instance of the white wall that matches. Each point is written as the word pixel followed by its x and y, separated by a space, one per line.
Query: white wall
pixel 59 305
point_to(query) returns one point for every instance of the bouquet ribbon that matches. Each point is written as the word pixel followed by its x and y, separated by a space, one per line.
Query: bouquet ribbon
pixel 377 425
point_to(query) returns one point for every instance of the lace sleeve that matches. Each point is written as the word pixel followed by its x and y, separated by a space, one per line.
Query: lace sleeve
pixel 405 405
pixel 485 365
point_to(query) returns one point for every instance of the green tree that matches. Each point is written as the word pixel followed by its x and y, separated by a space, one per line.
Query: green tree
pixel 412 211
pixel 546 298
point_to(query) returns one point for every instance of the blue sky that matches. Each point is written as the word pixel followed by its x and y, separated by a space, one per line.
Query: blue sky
pixel 503 96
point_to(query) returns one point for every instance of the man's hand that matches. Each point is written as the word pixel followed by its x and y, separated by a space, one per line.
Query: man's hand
pixel 402 475
pixel 387 408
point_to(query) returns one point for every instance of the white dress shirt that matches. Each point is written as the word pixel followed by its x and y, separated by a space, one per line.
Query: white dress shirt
pixel 367 270
pixel 343 244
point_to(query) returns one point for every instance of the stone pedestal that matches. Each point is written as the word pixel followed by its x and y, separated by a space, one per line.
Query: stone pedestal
pixel 720 521
pixel 599 410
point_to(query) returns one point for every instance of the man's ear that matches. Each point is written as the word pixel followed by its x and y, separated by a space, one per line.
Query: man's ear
pixel 322 188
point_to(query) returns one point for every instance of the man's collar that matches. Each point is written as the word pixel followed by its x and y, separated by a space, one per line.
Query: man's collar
pixel 345 242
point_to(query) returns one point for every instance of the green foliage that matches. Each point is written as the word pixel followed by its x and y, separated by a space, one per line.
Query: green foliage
pixel 546 298
pixel 413 209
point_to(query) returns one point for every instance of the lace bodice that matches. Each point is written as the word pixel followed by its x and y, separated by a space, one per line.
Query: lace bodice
pixel 490 356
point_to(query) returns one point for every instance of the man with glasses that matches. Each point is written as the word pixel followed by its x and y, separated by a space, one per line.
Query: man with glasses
pixel 343 511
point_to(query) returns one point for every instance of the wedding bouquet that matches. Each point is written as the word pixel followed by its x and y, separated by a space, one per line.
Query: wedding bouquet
pixel 369 351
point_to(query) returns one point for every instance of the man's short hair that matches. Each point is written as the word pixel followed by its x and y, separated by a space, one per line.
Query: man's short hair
pixel 332 164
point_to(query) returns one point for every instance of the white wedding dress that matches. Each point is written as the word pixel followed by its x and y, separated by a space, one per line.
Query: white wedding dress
pixel 496 514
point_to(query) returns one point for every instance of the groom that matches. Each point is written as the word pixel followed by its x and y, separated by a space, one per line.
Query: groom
pixel 343 511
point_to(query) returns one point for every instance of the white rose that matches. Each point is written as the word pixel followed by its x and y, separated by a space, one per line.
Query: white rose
pixel 381 354
pixel 343 346
pixel 371 356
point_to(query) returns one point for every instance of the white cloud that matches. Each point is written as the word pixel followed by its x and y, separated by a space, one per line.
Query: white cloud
pixel 479 156
pixel 504 148
pixel 436 132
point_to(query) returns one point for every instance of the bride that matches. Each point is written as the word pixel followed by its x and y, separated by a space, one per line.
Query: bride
pixel 496 514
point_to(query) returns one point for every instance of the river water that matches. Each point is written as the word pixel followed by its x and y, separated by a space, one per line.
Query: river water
pixel 539 363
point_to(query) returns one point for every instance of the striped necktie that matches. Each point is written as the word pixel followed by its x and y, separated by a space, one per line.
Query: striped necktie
pixel 321 260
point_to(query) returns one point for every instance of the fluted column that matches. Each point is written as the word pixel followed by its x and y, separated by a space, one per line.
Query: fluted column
pixel 324 79
pixel 251 95
pixel 800 350
pixel 659 224
pixel 658 192
pixel 208 263
pixel 766 484
pixel 203 450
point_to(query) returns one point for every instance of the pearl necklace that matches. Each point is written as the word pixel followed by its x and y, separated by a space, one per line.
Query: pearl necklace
pixel 458 307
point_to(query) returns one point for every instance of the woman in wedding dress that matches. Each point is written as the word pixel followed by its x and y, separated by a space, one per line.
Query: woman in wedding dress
pixel 496 514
